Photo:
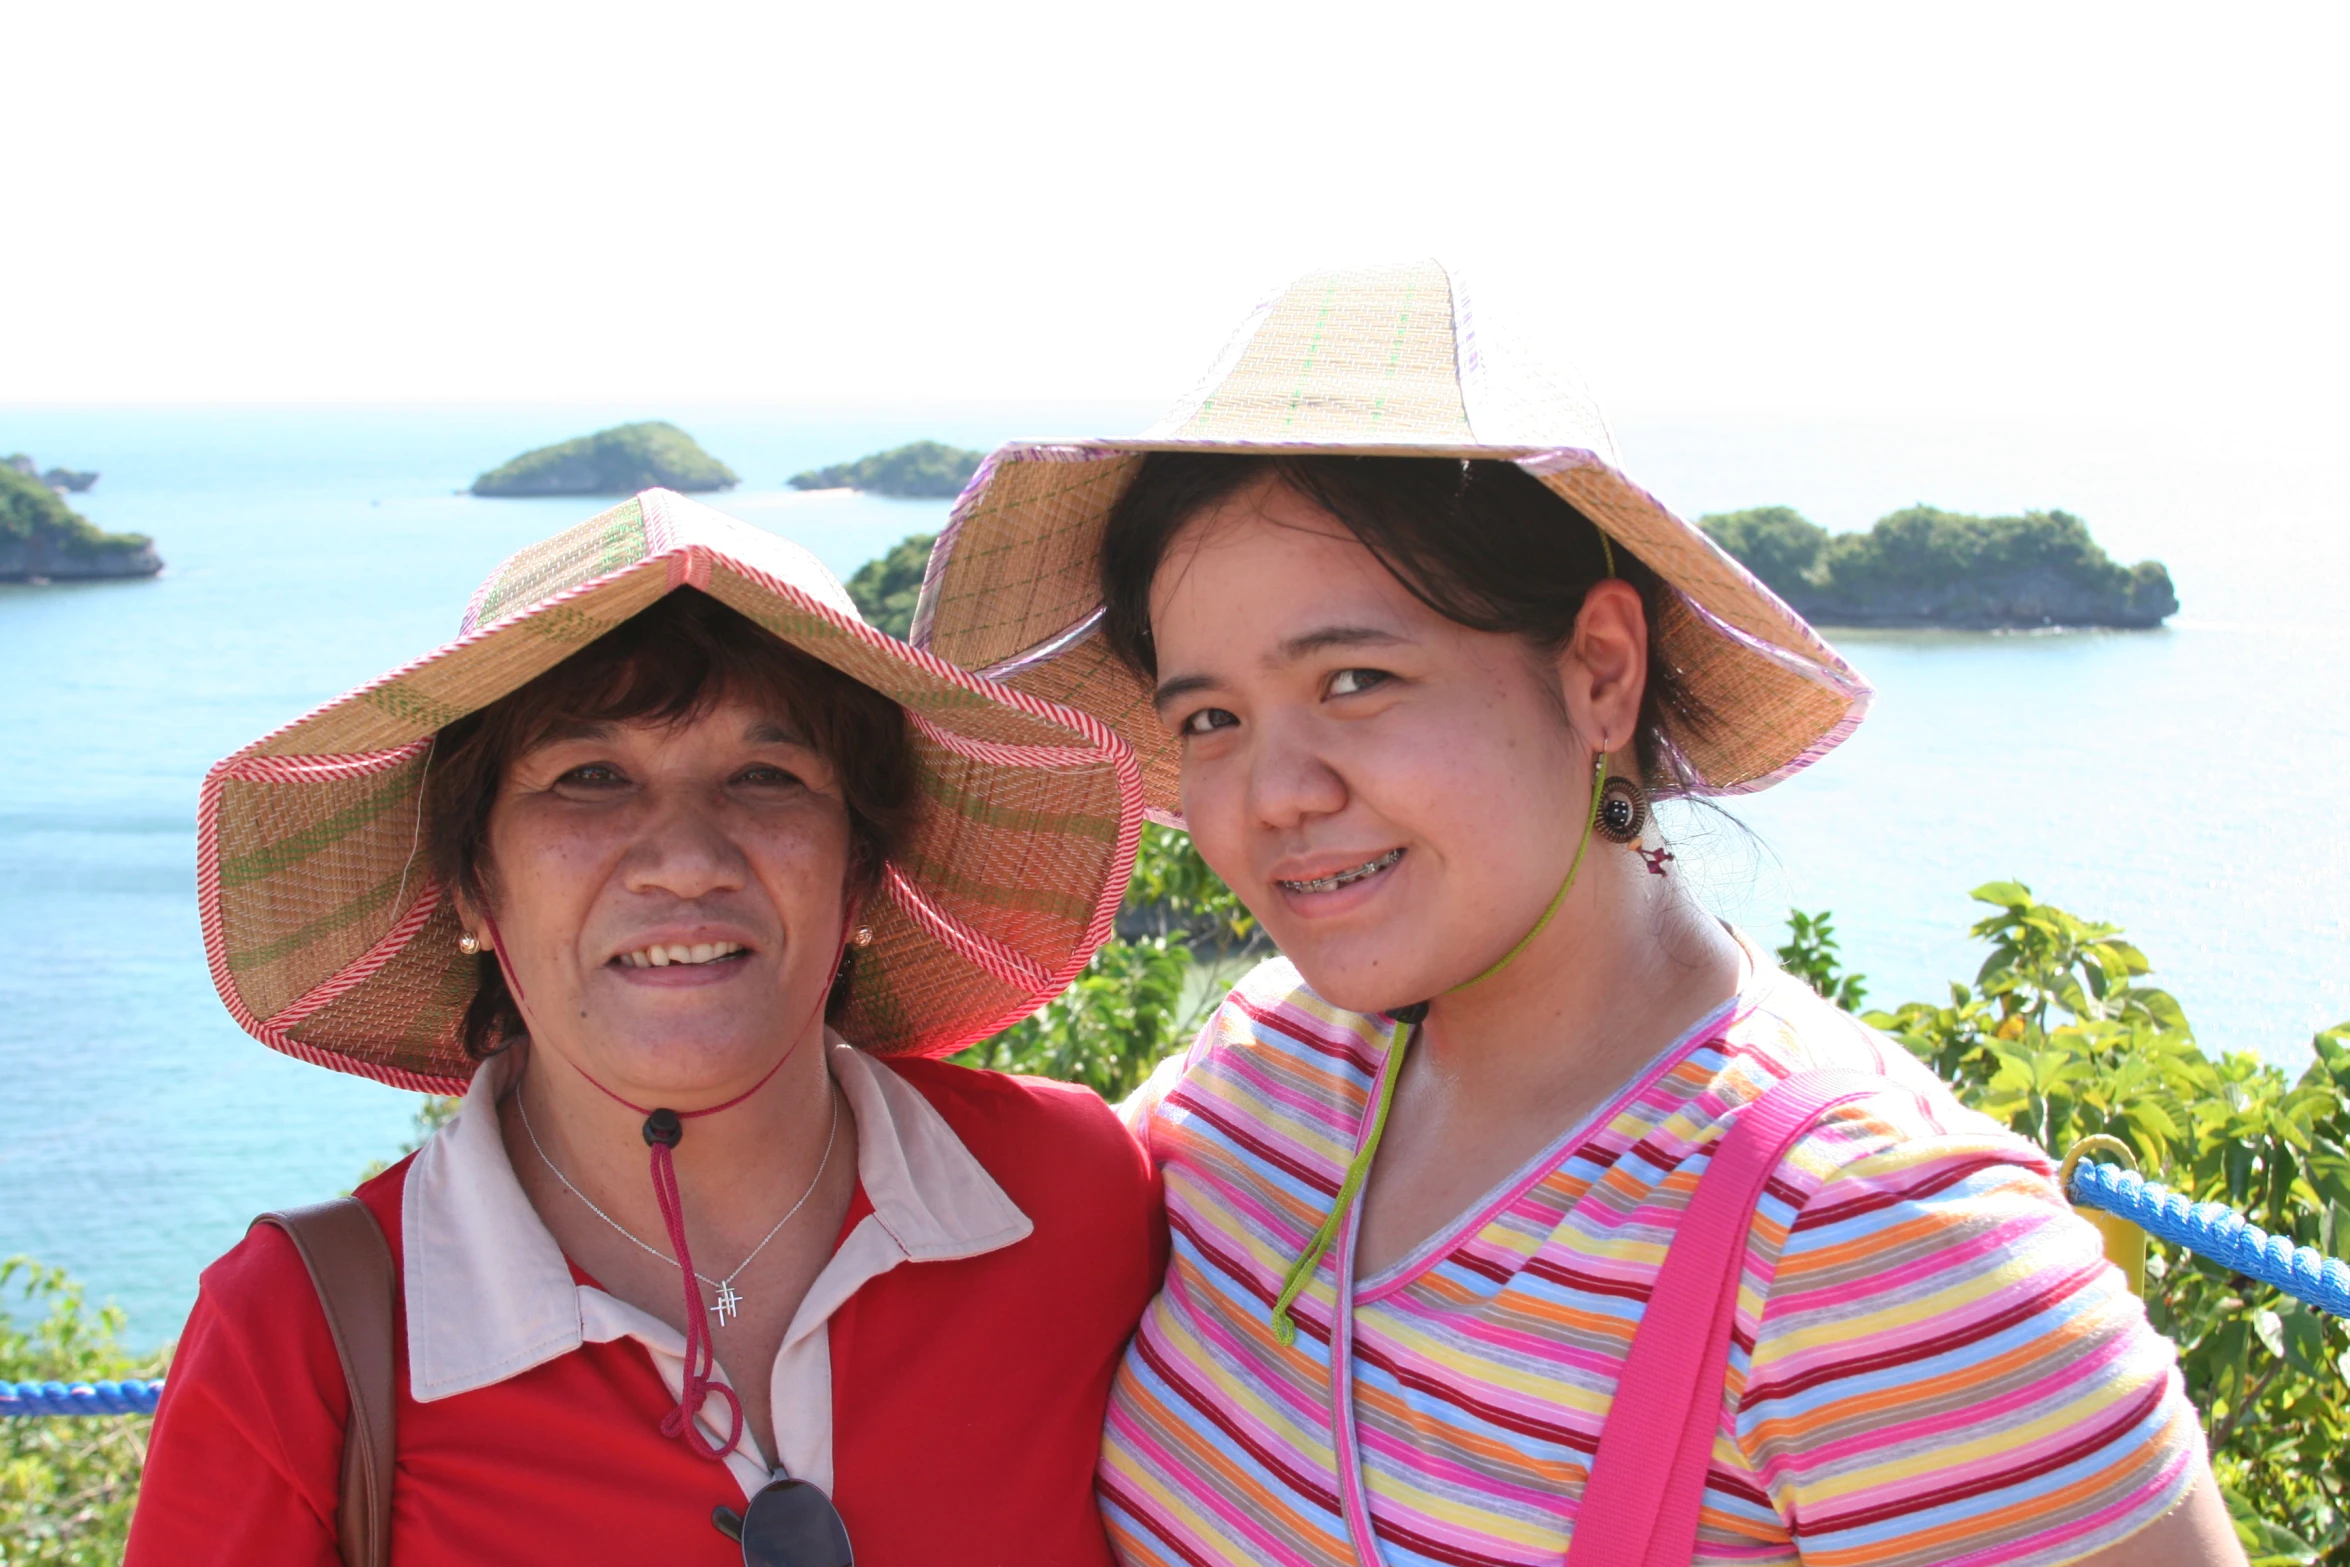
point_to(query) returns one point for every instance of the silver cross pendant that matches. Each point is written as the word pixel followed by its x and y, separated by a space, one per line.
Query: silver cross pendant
pixel 729 1303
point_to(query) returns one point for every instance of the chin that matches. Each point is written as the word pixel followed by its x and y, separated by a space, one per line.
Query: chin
pixel 683 1065
pixel 1358 980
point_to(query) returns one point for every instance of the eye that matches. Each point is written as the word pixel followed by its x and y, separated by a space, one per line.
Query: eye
pixel 1354 682
pixel 1206 719
pixel 766 775
pixel 593 776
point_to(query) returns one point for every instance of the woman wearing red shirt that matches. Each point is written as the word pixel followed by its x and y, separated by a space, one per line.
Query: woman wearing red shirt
pixel 671 864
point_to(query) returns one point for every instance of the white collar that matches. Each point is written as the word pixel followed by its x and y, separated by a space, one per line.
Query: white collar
pixel 489 1294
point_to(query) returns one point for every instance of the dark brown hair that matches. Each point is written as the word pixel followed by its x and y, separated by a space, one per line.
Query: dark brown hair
pixel 1484 544
pixel 669 665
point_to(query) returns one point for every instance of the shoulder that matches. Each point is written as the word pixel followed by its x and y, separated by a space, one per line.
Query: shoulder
pixel 1034 1135
pixel 1276 1065
pixel 1921 1267
pixel 1904 1187
pixel 1272 1021
pixel 1274 1009
pixel 262 1279
pixel 256 1371
pixel 1914 1121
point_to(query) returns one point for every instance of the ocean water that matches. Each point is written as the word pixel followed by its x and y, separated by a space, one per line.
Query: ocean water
pixel 2184 783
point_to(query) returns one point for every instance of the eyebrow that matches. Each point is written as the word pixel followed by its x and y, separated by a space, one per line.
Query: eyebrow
pixel 765 731
pixel 1304 645
pixel 572 729
pixel 1328 637
pixel 1180 686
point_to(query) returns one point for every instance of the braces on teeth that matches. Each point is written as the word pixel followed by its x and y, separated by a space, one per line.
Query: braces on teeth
pixel 1337 879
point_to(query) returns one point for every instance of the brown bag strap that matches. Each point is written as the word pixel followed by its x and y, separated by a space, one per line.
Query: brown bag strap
pixel 351 1266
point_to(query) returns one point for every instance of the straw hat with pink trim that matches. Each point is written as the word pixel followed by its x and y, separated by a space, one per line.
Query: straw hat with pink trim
pixel 330 941
pixel 1370 361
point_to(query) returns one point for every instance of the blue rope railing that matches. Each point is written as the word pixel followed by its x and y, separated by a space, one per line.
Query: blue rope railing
pixel 2216 1232
pixel 2207 1229
pixel 128 1397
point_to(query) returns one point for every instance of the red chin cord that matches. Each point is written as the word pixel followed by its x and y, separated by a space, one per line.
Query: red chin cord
pixel 664 1130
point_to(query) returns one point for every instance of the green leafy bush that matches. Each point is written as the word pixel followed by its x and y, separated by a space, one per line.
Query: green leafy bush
pixel 1810 955
pixel 2060 1037
pixel 66 1485
pixel 1145 993
pixel 887 586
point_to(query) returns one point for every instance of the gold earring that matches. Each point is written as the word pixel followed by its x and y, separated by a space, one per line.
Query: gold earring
pixel 864 936
pixel 469 944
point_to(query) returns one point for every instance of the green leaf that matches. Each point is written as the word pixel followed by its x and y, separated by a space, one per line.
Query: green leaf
pixel 2271 1331
pixel 2304 1340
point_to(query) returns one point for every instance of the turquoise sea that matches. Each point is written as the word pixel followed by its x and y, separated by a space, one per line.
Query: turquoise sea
pixel 2185 783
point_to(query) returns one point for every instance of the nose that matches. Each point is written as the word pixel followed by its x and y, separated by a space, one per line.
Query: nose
pixel 1291 780
pixel 684 849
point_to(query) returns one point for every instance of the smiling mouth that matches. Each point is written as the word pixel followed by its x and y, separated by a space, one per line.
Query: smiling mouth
pixel 663 956
pixel 1345 878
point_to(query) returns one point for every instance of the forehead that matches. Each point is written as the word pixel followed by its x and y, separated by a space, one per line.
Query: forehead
pixel 750 718
pixel 1259 565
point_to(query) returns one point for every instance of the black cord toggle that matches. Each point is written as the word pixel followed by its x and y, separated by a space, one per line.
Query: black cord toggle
pixel 664 1129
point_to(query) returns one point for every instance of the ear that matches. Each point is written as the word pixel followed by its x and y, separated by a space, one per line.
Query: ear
pixel 1603 670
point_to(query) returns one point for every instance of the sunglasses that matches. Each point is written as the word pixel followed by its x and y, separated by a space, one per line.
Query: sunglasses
pixel 789 1523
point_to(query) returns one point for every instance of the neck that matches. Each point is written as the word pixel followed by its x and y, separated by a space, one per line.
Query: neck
pixel 1626 966
pixel 732 1165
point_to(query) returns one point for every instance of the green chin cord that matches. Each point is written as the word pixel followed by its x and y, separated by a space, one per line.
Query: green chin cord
pixel 1408 1020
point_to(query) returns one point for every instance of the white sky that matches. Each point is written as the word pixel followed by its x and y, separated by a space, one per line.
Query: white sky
pixel 1752 209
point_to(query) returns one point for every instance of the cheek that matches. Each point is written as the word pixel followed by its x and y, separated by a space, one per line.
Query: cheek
pixel 806 865
pixel 1480 778
pixel 1214 814
pixel 538 875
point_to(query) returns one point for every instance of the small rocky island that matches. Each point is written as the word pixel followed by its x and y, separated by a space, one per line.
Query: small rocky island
pixel 620 461
pixel 44 540
pixel 1921 567
pixel 62 480
pixel 923 470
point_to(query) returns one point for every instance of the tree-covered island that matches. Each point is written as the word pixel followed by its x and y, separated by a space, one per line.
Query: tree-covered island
pixel 75 479
pixel 42 538
pixel 1922 567
pixel 922 470
pixel 627 458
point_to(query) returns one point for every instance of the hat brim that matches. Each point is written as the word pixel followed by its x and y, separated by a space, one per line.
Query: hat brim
pixel 1013 591
pixel 329 940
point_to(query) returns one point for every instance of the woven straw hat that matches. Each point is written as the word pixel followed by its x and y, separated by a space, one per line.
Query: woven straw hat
pixel 330 941
pixel 1376 361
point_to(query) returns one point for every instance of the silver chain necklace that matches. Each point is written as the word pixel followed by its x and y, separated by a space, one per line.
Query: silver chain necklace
pixel 729 1301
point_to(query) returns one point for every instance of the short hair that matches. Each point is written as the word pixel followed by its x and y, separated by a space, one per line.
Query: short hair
pixel 1483 543
pixel 670 664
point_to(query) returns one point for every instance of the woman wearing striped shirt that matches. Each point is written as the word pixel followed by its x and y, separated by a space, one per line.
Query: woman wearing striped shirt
pixel 1409 1257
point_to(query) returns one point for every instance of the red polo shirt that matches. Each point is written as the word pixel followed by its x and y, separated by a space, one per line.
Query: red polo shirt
pixel 948 1392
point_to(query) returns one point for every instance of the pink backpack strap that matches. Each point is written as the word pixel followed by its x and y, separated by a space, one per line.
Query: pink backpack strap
pixel 1647 1486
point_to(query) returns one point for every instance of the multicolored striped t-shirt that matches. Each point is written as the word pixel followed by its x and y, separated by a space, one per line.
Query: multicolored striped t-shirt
pixel 1932 1361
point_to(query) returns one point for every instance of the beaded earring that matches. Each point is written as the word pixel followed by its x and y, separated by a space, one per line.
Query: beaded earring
pixel 1623 812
